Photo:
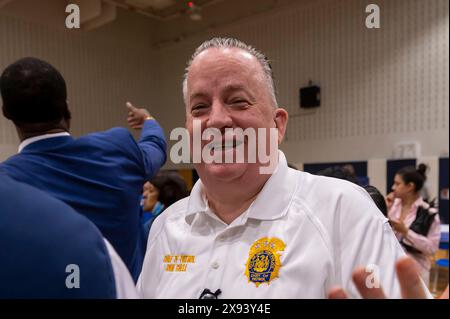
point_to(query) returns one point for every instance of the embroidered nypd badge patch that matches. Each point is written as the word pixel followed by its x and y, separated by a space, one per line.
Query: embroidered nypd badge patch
pixel 263 262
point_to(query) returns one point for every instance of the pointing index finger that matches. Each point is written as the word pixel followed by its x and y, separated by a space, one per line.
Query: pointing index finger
pixel 130 107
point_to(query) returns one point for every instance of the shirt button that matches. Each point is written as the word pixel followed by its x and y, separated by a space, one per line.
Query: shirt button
pixel 215 265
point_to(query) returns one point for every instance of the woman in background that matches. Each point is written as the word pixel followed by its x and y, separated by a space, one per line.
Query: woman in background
pixel 415 223
pixel 159 193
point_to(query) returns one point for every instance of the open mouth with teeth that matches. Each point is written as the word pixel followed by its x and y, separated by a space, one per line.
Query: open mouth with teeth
pixel 224 145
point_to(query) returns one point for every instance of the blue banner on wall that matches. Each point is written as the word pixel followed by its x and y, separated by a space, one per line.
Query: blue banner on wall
pixel 360 169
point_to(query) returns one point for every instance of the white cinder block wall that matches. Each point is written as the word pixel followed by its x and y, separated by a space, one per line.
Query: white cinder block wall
pixel 379 86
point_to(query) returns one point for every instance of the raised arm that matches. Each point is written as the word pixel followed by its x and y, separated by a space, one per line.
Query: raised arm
pixel 152 142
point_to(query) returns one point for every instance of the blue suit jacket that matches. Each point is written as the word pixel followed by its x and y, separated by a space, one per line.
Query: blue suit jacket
pixel 42 242
pixel 101 176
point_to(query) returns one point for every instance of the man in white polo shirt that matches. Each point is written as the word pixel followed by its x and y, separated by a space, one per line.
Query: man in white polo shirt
pixel 243 234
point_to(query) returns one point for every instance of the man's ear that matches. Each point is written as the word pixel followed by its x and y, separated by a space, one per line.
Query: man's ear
pixel 281 117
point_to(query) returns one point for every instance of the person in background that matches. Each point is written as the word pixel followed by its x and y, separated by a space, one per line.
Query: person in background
pixel 151 207
pixel 349 169
pixel 424 192
pixel 344 173
pixel 339 172
pixel 416 224
pixel 100 175
pixel 160 192
pixel 389 199
pixel 50 251
pixel 378 198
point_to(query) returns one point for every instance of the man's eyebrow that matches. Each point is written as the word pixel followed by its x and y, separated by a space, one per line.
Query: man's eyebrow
pixel 197 95
pixel 238 87
pixel 234 87
pixel 227 89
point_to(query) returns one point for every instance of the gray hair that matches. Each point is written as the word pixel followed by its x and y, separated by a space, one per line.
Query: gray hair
pixel 224 43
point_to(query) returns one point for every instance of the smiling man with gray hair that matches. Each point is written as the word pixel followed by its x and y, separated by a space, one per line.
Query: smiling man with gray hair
pixel 243 234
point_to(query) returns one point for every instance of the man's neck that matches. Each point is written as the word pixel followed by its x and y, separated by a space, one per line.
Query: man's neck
pixel 229 200
pixel 29 130
pixel 26 135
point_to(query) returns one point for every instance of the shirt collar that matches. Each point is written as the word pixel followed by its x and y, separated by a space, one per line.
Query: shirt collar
pixel 418 202
pixel 272 201
pixel 30 140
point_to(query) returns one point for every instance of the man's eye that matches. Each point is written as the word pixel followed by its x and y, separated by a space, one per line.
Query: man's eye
pixel 239 102
pixel 198 107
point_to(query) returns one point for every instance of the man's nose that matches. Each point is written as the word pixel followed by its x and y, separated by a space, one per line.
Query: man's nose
pixel 219 116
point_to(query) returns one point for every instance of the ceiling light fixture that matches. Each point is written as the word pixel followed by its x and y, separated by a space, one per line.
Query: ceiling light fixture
pixel 195 12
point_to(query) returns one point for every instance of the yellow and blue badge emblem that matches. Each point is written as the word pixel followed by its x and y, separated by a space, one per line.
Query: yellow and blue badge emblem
pixel 263 264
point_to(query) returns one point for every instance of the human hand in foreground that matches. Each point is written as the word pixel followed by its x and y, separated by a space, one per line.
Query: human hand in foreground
pixel 410 283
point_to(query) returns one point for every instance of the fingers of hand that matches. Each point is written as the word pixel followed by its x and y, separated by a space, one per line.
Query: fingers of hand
pixel 337 293
pixel 367 284
pixel 133 119
pixel 134 122
pixel 130 107
pixel 410 282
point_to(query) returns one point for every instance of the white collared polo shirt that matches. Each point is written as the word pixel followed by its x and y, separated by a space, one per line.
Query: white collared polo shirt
pixel 301 236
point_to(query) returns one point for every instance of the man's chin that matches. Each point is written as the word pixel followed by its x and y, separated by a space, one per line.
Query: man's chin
pixel 224 172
